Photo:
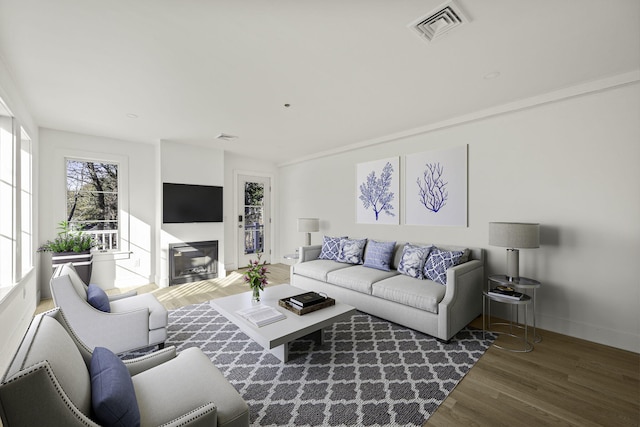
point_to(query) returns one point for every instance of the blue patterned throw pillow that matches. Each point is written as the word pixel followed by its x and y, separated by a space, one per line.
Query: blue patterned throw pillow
pixel 351 250
pixel 436 266
pixel 413 259
pixel 330 247
pixel 378 255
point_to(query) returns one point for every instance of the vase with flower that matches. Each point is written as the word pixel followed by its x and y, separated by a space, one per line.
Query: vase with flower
pixel 256 277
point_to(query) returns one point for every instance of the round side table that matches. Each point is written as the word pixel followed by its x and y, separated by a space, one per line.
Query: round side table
pixel 521 284
pixel 487 298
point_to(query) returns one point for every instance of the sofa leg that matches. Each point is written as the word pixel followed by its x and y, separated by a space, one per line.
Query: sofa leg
pixel 160 346
pixel 444 341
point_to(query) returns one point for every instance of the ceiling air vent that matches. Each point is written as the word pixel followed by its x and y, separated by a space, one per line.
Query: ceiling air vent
pixel 438 22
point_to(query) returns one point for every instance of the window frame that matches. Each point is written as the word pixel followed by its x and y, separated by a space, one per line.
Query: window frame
pixel 117 193
pixel 21 207
pixel 124 241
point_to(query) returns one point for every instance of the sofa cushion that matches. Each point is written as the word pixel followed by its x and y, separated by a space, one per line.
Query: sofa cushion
pixel 330 247
pixel 184 383
pixel 158 315
pixel 352 250
pixel 413 259
pixel 113 397
pixel 358 277
pixel 378 254
pixel 318 269
pixel 421 294
pixel 98 298
pixel 438 262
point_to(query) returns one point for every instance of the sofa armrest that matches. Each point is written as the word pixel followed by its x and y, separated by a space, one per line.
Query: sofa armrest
pixel 123 295
pixel 457 275
pixel 205 415
pixel 148 361
pixel 309 253
pixel 462 300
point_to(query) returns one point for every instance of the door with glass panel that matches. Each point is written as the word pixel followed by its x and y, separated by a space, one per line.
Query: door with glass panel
pixel 254 231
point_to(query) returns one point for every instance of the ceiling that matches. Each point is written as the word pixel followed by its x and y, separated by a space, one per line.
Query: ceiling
pixel 351 71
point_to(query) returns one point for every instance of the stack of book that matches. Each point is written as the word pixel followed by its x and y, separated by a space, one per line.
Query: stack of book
pixel 506 292
pixel 306 300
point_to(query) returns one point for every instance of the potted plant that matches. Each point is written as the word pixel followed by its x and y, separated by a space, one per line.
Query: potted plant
pixel 71 245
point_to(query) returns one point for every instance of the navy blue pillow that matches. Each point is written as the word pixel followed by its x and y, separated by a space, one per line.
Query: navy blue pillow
pixel 98 298
pixel 113 397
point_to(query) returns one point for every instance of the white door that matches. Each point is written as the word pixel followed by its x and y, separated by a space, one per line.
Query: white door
pixel 254 219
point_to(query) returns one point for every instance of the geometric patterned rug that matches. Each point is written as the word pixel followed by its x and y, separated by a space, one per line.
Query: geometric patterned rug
pixel 368 372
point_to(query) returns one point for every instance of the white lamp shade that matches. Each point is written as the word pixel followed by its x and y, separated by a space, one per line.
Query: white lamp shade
pixel 514 234
pixel 308 225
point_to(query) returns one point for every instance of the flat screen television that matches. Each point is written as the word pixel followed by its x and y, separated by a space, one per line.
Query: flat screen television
pixel 182 203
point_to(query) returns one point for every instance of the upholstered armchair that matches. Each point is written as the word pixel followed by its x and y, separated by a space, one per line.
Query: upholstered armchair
pixel 119 323
pixel 56 380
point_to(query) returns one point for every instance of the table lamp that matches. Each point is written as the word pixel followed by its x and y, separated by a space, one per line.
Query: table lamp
pixel 308 225
pixel 514 236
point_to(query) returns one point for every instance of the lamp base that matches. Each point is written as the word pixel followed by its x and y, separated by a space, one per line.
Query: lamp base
pixel 513 263
pixel 308 239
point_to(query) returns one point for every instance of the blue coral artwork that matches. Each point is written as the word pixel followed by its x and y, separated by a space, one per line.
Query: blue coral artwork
pixel 436 187
pixel 377 190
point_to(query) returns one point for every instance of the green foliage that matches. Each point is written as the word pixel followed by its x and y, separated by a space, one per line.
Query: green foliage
pixel 68 240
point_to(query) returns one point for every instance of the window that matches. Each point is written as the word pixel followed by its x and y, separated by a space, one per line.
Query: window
pixel 92 200
pixel 26 201
pixel 16 199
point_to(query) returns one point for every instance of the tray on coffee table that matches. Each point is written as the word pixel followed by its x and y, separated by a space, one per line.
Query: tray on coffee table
pixel 284 302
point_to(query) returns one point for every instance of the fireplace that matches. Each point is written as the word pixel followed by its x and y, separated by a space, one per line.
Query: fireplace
pixel 193 261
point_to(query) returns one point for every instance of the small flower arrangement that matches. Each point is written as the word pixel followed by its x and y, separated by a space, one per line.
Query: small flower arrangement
pixel 256 276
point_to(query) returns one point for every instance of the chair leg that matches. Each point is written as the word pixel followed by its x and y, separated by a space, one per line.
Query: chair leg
pixel 160 346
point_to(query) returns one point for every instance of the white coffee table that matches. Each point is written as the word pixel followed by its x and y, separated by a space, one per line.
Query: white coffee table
pixel 276 336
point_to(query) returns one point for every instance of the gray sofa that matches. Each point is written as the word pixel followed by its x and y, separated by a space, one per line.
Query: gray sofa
pixel 437 310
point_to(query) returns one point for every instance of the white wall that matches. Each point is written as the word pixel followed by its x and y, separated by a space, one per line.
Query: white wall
pixel 190 164
pixel 136 263
pixel 571 165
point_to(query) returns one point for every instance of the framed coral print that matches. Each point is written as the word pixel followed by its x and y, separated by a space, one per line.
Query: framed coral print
pixel 377 189
pixel 436 187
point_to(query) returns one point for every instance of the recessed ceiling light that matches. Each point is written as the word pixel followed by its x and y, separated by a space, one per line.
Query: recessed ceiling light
pixel 132 116
pixel 492 75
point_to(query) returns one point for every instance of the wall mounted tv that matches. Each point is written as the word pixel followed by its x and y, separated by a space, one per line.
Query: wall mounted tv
pixel 182 203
